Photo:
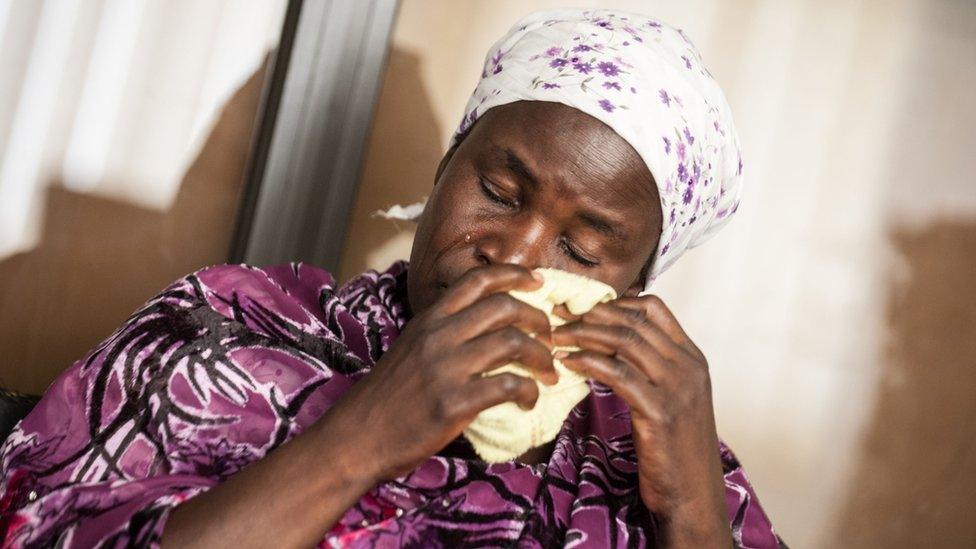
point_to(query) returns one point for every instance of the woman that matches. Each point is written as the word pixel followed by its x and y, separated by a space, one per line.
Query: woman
pixel 256 407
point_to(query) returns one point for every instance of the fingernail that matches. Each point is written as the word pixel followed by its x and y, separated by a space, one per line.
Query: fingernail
pixel 538 276
pixel 559 355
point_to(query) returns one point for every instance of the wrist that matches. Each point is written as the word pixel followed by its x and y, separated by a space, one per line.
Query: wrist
pixel 694 531
pixel 346 450
pixel 693 526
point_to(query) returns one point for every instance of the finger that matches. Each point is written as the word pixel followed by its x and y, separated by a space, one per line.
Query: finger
pixel 483 281
pixel 657 312
pixel 621 341
pixel 625 379
pixel 562 311
pixel 489 351
pixel 660 315
pixel 635 319
pixel 497 311
pixel 484 392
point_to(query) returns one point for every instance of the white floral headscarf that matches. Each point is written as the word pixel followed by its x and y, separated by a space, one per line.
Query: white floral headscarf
pixel 647 82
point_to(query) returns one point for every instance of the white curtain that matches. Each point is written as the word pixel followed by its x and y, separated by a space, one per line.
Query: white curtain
pixel 114 97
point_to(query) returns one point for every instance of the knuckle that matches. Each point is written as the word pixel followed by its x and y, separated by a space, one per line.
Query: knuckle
pixel 537 316
pixel 512 337
pixel 668 417
pixel 621 371
pixel 657 415
pixel 654 302
pixel 703 381
pixel 628 336
pixel 505 304
pixel 443 409
pixel 480 277
pixel 637 317
pixel 510 384
pixel 425 345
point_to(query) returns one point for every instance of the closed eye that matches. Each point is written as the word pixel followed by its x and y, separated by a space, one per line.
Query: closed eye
pixel 576 256
pixel 488 190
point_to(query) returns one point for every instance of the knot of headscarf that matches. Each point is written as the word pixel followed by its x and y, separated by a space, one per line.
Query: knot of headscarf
pixel 646 81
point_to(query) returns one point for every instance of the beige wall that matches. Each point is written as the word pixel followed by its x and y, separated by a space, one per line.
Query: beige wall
pixel 837 310
pixel 98 259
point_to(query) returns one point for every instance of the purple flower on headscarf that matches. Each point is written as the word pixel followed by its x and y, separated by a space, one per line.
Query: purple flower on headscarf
pixel 633 33
pixel 606 105
pixel 688 136
pixel 494 65
pixel 604 24
pixel 687 61
pixel 620 61
pixel 667 145
pixel 610 85
pixel 665 98
pixel 681 150
pixel 608 69
pixel 688 195
pixel 553 51
pixel 583 68
pixel 468 120
pixel 496 62
pixel 549 85
pixel 558 62
pixel 682 172
pixel 581 48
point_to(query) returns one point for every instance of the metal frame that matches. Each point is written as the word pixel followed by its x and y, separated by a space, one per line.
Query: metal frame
pixel 309 141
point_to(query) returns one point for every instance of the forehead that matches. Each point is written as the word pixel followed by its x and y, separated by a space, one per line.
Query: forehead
pixel 568 149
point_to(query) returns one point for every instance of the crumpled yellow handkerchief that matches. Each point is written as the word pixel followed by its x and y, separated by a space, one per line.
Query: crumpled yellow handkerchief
pixel 505 431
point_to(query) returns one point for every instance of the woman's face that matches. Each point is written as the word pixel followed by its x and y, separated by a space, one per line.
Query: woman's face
pixel 537 184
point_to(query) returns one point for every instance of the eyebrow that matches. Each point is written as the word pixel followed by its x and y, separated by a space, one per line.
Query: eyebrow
pixel 601 225
pixel 518 167
pixel 594 221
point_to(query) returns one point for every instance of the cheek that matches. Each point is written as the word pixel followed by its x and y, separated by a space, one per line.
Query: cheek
pixel 446 215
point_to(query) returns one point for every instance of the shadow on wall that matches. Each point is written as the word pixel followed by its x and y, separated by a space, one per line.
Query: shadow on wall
pixel 401 159
pixel 916 481
pixel 99 259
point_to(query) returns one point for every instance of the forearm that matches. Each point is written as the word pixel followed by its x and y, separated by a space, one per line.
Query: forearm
pixel 699 522
pixel 291 498
pixel 693 532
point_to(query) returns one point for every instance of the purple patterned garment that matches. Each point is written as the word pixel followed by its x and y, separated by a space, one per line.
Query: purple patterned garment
pixel 229 363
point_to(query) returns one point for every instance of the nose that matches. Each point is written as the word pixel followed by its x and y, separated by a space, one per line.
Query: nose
pixel 515 241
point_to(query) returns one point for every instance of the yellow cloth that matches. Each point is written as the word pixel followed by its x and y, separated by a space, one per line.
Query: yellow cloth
pixel 505 431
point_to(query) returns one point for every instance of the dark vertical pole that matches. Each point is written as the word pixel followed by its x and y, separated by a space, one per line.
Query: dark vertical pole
pixel 308 149
pixel 270 102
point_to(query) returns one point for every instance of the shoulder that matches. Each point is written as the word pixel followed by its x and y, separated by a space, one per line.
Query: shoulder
pixel 293 291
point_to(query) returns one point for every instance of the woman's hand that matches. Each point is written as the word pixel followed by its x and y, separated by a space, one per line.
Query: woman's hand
pixel 637 348
pixel 419 396
pixel 428 386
